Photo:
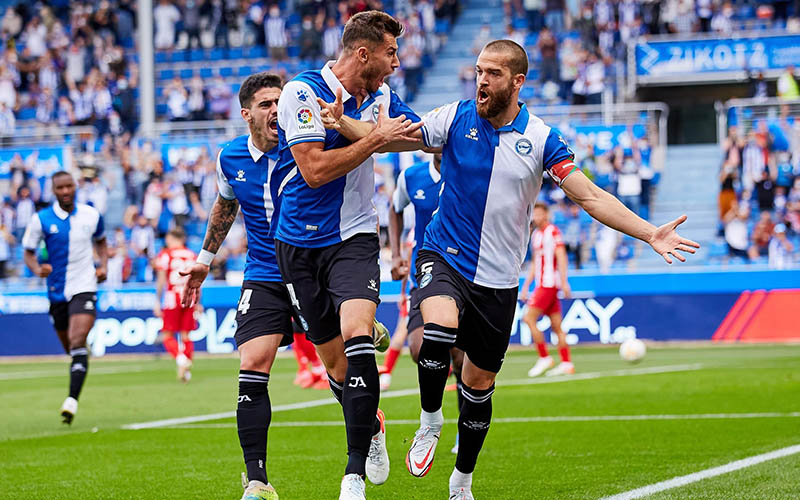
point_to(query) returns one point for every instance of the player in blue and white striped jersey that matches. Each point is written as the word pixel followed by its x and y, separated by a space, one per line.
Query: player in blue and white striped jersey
pixel 494 154
pixel 70 232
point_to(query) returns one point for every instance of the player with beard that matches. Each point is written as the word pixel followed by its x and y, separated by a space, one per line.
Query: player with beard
pixel 326 240
pixel 70 231
pixel 494 154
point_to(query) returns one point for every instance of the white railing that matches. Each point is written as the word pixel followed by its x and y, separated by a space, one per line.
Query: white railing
pixel 752 110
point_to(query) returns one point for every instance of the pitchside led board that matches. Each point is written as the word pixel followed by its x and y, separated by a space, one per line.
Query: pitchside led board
pixel 735 306
pixel 665 60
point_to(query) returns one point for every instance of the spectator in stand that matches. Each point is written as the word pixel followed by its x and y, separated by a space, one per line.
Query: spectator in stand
pixel 177 100
pixel 165 18
pixel 143 238
pixel 484 36
pixel 34 37
pixel 7 242
pixel 469 86
pixel 8 91
pixel 722 21
pixel 787 85
pixel 219 99
pixel 515 35
pixel 177 201
pixel 573 234
pixel 729 172
pixel 197 100
pixel 191 23
pixel 8 121
pixel 66 112
pixel 11 24
pixel 310 39
pixel 534 10
pixel 82 98
pixel 331 39
pixel 780 249
pixel 705 10
pixel 595 75
pixel 25 209
pixel 276 34
pixel 153 200
pixel 736 230
pixel 762 233
pixel 629 183
pixel 254 33
pixel 102 105
pixel 411 56
pixel 547 45
pixel 554 15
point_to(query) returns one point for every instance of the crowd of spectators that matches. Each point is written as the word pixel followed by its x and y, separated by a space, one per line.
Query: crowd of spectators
pixel 759 197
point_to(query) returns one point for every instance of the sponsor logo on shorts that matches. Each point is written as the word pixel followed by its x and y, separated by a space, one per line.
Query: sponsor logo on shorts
pixel 523 147
pixel 312 227
pixel 373 285
pixel 89 306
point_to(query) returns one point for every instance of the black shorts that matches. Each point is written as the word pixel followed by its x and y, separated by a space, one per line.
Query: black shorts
pixel 414 314
pixel 81 303
pixel 264 309
pixel 486 315
pixel 320 279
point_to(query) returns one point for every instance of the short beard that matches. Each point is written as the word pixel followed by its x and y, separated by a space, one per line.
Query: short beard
pixel 369 75
pixel 497 103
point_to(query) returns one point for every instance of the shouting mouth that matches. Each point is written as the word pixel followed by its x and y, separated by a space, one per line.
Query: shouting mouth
pixel 483 97
pixel 273 124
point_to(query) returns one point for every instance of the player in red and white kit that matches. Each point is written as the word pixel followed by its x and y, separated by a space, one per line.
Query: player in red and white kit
pixel 549 269
pixel 169 262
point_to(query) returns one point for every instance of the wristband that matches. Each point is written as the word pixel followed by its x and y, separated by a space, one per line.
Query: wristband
pixel 205 257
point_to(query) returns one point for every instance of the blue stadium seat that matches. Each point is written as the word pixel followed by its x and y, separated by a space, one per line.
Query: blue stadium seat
pixel 179 56
pixel 526 93
pixel 161 109
pixel 235 53
pixel 226 71
pixel 161 56
pixel 216 54
pixel 257 52
pixel 197 55
pixel 206 72
pixel 187 73
pixel 26 114
pixel 245 71
pixel 293 50
pixel 166 74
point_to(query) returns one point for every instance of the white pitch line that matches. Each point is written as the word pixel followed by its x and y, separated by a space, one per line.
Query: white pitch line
pixel 58 373
pixel 412 392
pixel 679 481
pixel 517 420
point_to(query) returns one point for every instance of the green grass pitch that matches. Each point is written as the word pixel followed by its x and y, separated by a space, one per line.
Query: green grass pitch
pixel 525 456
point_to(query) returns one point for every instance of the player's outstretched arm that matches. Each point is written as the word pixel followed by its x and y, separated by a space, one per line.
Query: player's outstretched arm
pixel 605 208
pixel 223 213
pixel 319 166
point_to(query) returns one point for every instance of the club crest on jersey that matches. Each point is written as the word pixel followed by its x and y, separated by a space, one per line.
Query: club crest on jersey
pixel 53 229
pixel 305 119
pixel 419 195
pixel 375 113
pixel 523 147
pixel 302 95
pixel 240 176
pixel 473 134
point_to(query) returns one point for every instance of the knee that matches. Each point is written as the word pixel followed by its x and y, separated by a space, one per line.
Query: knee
pixel 480 382
pixel 258 362
pixel 414 344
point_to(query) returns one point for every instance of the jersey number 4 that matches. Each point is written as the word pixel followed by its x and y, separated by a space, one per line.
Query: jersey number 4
pixel 244 302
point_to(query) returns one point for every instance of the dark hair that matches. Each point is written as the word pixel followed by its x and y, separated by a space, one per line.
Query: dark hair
pixel 256 82
pixel 369 26
pixel 517 60
pixel 59 174
pixel 177 232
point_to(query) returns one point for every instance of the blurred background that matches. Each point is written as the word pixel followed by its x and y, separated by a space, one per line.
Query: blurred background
pixel 674 106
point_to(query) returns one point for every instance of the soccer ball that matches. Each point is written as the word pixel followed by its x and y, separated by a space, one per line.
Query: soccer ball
pixel 632 350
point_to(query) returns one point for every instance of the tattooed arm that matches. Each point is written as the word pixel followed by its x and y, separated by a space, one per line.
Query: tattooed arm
pixel 223 213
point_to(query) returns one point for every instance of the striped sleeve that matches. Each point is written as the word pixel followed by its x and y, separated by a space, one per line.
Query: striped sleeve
pixel 557 158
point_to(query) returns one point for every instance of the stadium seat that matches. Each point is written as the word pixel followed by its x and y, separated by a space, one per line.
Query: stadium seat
pixel 216 54
pixel 245 71
pixel 197 55
pixel 235 53
pixel 206 72
pixel 186 73
pixel 226 71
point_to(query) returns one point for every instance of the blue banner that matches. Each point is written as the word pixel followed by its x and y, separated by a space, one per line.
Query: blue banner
pixel 690 61
pixel 39 162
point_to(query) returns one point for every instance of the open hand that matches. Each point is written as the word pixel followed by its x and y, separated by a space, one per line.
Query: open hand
pixel 667 242
pixel 191 289
pixel 397 129
pixel 399 268
pixel 331 112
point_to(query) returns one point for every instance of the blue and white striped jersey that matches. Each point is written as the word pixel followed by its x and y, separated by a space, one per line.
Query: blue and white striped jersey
pixel 418 185
pixel 491 181
pixel 251 176
pixel 68 238
pixel 342 208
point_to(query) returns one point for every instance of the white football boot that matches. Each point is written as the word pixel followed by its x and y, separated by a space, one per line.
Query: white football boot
pixel 69 409
pixel 461 494
pixel 377 466
pixel 541 366
pixel 385 381
pixel 563 368
pixel 423 448
pixel 352 488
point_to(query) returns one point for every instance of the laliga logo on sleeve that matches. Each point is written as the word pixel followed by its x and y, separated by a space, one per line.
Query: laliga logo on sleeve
pixel 305 119
pixel 523 147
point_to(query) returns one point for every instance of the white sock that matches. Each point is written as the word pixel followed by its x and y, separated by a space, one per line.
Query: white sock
pixel 434 420
pixel 460 480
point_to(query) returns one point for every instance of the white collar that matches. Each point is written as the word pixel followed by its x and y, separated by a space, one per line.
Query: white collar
pixel 60 212
pixel 435 175
pixel 333 82
pixel 255 153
